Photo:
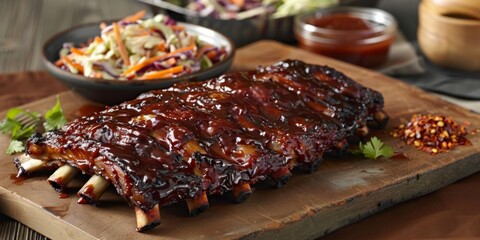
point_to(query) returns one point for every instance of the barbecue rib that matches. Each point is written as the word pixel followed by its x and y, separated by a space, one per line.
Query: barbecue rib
pixel 212 137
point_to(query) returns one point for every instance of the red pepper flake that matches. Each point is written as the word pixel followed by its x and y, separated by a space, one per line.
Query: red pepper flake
pixel 432 133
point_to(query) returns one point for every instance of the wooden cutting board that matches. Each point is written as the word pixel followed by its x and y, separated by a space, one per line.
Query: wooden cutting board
pixel 342 191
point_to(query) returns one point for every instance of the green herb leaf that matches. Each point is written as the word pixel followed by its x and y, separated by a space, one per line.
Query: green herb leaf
pixel 15 146
pixel 24 132
pixel 10 124
pixel 375 148
pixel 20 124
pixel 205 62
pixel 7 126
pixel 54 118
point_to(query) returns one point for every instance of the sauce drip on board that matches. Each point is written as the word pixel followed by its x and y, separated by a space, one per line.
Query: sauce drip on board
pixel 400 156
pixel 18 180
pixel 63 195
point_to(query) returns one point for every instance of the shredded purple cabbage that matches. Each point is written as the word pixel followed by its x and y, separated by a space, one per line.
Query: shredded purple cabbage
pixel 67 45
pixel 107 68
pixel 170 21
pixel 227 5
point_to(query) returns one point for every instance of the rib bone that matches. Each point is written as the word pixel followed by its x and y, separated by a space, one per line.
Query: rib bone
pixel 363 131
pixel 62 176
pixel 198 204
pixel 93 189
pixel 281 177
pixel 147 220
pixel 27 165
pixel 241 193
pixel 314 165
pixel 380 119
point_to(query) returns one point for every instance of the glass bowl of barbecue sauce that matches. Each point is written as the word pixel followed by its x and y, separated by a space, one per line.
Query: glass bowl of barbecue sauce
pixel 357 35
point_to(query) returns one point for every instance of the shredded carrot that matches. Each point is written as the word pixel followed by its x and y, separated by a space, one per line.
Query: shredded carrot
pixel 168 75
pixel 59 62
pixel 151 60
pixel 77 51
pixel 74 64
pixel 239 3
pixel 184 49
pixel 161 47
pixel 121 46
pixel 103 25
pixel 162 73
pixel 177 27
pixel 212 54
pixel 133 18
pixel 98 39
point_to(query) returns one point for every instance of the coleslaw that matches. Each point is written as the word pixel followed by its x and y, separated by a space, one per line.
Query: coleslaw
pixel 144 49
pixel 242 9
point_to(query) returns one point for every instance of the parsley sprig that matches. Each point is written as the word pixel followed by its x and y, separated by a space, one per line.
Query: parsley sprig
pixel 374 149
pixel 54 118
pixel 21 124
pixel 15 146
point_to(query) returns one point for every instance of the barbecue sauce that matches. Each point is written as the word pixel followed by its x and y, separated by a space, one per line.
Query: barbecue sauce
pixel 88 109
pixel 400 156
pixel 63 195
pixel 18 180
pixel 340 22
pixel 349 38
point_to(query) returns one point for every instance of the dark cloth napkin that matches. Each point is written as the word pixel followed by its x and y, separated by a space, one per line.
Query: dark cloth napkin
pixel 455 83
pixel 408 64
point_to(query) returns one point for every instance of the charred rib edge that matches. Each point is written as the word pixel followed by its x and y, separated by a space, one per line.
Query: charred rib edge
pixel 281 177
pixel 198 204
pixel 27 165
pixel 241 193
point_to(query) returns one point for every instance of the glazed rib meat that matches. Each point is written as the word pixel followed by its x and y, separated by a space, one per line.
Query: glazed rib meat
pixel 201 138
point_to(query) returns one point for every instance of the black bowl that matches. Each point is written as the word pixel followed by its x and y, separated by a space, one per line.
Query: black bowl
pixel 241 32
pixel 115 91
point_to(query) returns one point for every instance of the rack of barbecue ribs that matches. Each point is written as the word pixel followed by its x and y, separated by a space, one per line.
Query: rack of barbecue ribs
pixel 201 138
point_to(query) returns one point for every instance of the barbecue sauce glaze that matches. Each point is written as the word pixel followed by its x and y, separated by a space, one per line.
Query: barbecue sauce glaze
pixel 173 144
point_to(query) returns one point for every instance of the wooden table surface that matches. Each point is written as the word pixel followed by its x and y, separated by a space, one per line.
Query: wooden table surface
pixel 453 212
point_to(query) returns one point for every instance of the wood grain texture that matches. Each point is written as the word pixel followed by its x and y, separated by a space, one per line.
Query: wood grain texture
pixel 342 191
pixel 26 25
pixel 45 85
